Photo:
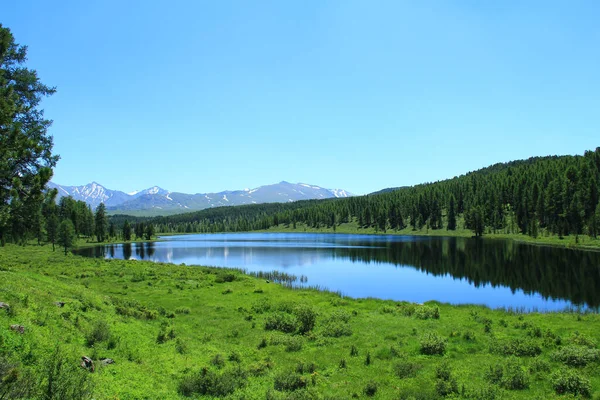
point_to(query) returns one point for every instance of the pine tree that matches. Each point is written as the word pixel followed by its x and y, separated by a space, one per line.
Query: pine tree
pixel 149 231
pixel 451 214
pixel 26 160
pixel 66 234
pixel 126 231
pixel 101 223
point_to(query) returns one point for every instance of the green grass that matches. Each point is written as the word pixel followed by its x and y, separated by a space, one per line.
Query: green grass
pixel 176 329
pixel 544 238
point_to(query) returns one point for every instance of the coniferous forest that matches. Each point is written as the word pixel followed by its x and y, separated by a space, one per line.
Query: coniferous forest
pixel 557 195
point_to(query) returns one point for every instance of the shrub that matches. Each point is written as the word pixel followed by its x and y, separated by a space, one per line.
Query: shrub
pixel 207 382
pixel 370 389
pixel 336 329
pixel 343 363
pixel 293 344
pixel 261 367
pixel 218 361
pixel 427 312
pixel 520 348
pixel 368 358
pixel 262 344
pixel 539 366
pixel 234 356
pixel 446 388
pixel 576 356
pixel 303 368
pixel 181 346
pixel 569 381
pixel 99 333
pixel 353 351
pixel 281 322
pixel 306 318
pixel 432 344
pixel 223 277
pixel 165 333
pixel 182 310
pixel 510 376
pixel 288 382
pixel 261 306
pixel 406 369
pixel 582 340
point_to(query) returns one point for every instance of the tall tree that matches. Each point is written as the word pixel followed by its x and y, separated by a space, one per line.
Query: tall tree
pixel 26 159
pixel 126 231
pixel 66 234
pixel 101 223
pixel 451 214
pixel 149 231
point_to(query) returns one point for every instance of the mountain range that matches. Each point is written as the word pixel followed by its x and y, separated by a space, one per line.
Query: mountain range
pixel 159 201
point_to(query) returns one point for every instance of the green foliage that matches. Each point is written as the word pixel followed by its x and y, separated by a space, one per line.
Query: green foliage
pixel 66 234
pixel 405 368
pixel 370 389
pixel 306 317
pixel 26 159
pixel 509 375
pixel 576 356
pixel 432 344
pixel 281 321
pixel 566 381
pixel 289 381
pixel 210 383
pixel 34 278
pixel 519 347
pixel 100 332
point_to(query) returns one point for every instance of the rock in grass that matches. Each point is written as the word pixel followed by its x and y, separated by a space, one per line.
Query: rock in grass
pixel 106 361
pixel 4 306
pixel 18 328
pixel 87 363
pixel 59 304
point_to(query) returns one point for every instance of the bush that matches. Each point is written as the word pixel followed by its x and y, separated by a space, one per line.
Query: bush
pixel 99 333
pixel 337 329
pixel 569 381
pixel 427 312
pixel 63 379
pixel 306 318
pixel 223 277
pixel 353 351
pixel 288 382
pixel 207 382
pixel 520 348
pixel 539 366
pixel 406 369
pixel 218 361
pixel 510 376
pixel 182 310
pixel 370 389
pixel 293 344
pixel 432 344
pixel 281 321
pixel 576 356
pixel 165 333
pixel 446 388
pixel 582 340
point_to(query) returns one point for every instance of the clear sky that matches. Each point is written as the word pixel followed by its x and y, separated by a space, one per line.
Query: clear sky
pixel 203 96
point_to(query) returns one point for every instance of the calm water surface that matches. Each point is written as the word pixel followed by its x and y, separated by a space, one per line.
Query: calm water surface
pixel 456 270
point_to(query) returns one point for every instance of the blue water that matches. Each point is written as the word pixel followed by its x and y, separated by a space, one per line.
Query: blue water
pixel 416 269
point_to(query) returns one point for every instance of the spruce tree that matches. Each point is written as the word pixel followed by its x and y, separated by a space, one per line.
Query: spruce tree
pixel 66 234
pixel 452 214
pixel 101 223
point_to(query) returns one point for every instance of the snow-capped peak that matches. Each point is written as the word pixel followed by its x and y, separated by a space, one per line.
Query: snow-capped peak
pixel 133 193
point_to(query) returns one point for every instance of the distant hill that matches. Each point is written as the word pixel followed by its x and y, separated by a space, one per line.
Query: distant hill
pixel 159 201
pixel 387 190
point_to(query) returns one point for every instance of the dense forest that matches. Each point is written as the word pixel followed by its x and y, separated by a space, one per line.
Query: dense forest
pixel 556 195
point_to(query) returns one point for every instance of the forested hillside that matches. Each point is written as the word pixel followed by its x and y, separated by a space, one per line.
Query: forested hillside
pixel 556 195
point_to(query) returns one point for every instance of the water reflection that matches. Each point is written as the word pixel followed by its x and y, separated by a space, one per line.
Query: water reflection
pixel 457 270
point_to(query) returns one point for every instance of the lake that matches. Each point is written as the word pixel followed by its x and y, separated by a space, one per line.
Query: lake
pixel 497 273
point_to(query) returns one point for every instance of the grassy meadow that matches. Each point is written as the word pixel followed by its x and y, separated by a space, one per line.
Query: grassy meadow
pixel 184 332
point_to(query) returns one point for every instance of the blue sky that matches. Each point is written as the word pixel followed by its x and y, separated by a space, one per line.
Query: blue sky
pixel 203 96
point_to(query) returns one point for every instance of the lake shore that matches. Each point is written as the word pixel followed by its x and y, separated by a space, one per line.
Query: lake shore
pixel 162 324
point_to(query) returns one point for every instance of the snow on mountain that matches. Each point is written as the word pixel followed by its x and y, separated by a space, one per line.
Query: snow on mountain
pixel 156 198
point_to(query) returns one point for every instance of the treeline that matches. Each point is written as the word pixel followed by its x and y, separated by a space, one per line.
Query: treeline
pixel 553 195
